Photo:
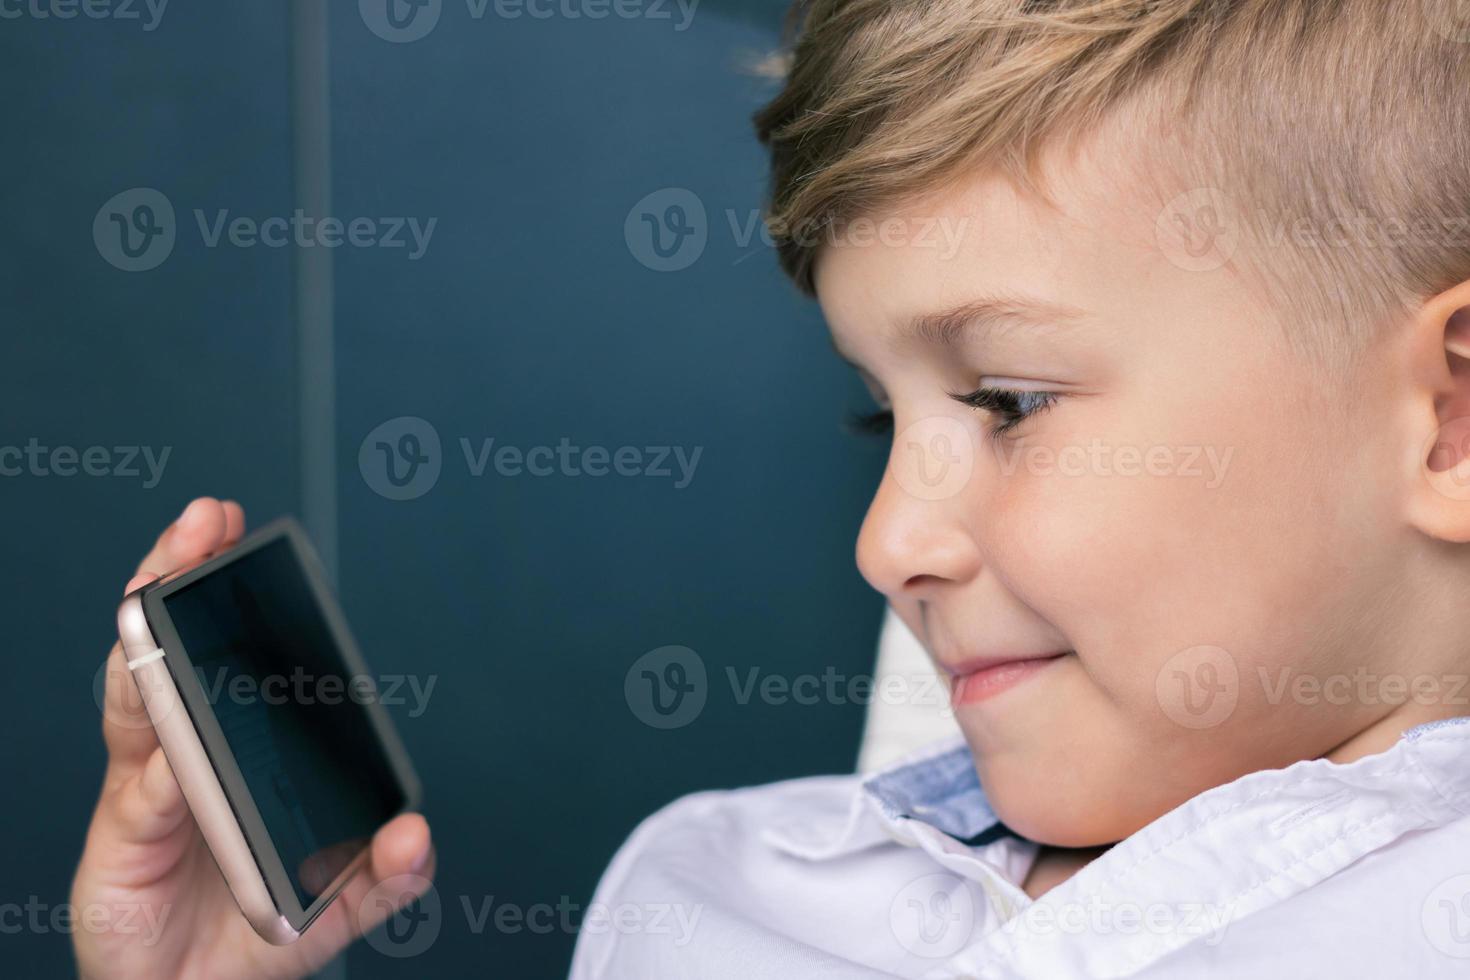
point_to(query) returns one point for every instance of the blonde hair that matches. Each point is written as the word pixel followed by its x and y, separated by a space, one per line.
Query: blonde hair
pixel 1310 122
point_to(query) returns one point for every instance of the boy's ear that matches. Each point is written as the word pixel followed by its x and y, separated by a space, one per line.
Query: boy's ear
pixel 1440 498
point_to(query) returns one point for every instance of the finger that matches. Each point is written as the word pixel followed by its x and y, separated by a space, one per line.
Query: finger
pixel 126 728
pixel 402 846
pixel 149 806
pixel 234 522
pixel 198 531
pixel 400 868
pixel 402 857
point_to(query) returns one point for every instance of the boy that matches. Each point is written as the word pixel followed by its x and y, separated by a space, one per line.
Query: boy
pixel 1217 711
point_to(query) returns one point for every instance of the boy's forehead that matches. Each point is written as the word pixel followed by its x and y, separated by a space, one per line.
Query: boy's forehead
pixel 1087 246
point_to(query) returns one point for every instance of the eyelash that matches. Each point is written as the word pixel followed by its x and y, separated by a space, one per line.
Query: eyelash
pixel 1012 406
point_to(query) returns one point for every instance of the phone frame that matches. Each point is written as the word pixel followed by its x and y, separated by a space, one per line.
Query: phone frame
pixel 201 757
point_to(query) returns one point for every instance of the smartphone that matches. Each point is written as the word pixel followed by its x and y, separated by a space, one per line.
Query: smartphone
pixel 270 721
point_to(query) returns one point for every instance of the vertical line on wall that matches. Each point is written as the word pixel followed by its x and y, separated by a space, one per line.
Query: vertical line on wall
pixel 312 301
pixel 312 278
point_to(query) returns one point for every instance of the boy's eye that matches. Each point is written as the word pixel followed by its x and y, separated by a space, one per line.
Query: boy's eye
pixel 1010 406
pixel 879 423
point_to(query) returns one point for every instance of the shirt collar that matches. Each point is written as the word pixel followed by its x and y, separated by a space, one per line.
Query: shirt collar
pixel 939 786
pixel 936 786
pixel 1283 829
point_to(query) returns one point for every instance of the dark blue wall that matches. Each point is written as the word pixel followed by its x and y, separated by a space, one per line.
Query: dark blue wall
pixel 530 319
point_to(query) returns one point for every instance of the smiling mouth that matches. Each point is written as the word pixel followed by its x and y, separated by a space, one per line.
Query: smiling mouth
pixel 979 681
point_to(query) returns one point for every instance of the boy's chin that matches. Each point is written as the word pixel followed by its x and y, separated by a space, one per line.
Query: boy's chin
pixel 1053 811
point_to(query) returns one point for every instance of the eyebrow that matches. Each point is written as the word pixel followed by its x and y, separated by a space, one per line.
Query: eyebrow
pixel 992 313
pixel 987 314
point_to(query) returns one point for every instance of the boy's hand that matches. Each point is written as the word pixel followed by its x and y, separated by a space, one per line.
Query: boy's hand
pixel 146 870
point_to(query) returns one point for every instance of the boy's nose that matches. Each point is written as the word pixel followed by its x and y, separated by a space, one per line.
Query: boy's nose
pixel 910 545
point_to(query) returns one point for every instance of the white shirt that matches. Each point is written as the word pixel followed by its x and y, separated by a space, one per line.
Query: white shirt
pixel 1316 870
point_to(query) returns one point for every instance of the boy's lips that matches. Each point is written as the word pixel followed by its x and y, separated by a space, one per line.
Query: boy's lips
pixel 980 678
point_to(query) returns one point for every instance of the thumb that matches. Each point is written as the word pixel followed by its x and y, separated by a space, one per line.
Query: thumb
pixel 126 726
pixel 399 870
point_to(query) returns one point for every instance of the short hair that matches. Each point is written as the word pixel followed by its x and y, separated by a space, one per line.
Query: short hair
pixel 1335 133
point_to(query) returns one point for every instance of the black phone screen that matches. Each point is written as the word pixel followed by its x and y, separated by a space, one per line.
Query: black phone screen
pixel 293 716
